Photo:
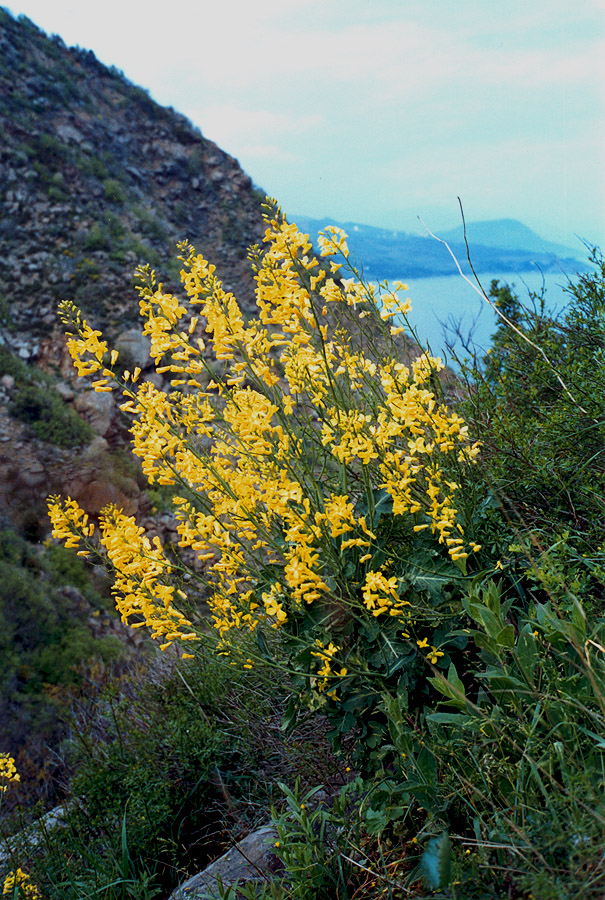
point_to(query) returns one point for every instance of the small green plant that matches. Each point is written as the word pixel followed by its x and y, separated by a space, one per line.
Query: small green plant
pixel 535 402
pixel 114 192
pixel 49 416
pixel 98 238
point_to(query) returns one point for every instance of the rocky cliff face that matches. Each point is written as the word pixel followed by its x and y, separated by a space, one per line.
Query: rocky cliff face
pixel 95 178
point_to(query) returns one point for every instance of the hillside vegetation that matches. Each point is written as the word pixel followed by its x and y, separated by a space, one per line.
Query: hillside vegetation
pixel 358 601
pixel 417 587
pixel 95 177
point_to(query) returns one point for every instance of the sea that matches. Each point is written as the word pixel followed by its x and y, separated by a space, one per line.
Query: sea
pixel 450 318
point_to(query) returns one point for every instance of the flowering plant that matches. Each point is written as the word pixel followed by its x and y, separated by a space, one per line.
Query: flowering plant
pixel 315 471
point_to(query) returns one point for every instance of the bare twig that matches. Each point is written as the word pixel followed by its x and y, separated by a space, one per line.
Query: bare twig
pixel 479 290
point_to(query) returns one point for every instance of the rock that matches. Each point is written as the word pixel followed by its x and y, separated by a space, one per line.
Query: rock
pixel 34 834
pixel 31 473
pixel 8 382
pixel 69 133
pixel 156 379
pixel 65 391
pixel 136 346
pixel 98 409
pixel 97 447
pixel 97 494
pixel 251 860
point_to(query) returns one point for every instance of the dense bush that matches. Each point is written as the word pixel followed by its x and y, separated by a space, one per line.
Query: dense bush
pixel 536 403
pixel 442 610
pixel 45 600
pixel 49 416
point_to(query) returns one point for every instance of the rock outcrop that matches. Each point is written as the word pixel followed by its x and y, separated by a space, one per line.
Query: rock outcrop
pixel 252 860
pixel 95 179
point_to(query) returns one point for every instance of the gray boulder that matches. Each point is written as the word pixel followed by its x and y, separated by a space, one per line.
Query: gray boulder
pixel 251 860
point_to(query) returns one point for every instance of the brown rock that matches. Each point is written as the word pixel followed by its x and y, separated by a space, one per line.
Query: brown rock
pixel 136 346
pixel 96 495
pixel 98 409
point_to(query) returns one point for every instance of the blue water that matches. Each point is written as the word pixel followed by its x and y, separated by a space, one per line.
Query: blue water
pixel 440 306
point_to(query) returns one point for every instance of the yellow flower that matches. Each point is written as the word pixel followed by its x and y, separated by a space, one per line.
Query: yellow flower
pixel 8 772
pixel 423 643
pixel 434 655
pixel 21 880
pixel 278 431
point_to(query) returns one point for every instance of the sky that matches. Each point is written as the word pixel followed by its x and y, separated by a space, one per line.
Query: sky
pixel 379 111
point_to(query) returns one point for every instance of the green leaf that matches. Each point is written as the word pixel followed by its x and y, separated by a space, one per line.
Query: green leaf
pixel 527 657
pixel 443 718
pixel 431 577
pixel 579 619
pixel 490 622
pixel 261 640
pixel 436 862
pixel 426 766
pixel 486 643
pixel 451 687
pixel 506 637
pixel 290 715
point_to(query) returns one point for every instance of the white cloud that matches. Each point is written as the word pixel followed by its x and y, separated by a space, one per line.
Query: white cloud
pixel 268 153
pixel 234 124
pixel 384 103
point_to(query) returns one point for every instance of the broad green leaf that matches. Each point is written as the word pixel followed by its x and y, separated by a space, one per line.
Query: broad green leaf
pixel 443 718
pixel 527 657
pixel 506 637
pixel 436 862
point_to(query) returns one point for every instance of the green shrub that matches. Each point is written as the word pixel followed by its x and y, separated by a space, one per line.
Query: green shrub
pixel 44 638
pixel 49 416
pixel 158 766
pixel 98 238
pixel 114 192
pixel 541 419
pixel 92 165
pixel 10 364
pixel 114 225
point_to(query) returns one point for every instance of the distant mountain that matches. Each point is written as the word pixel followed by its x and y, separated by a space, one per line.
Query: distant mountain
pixel 506 233
pixel 385 253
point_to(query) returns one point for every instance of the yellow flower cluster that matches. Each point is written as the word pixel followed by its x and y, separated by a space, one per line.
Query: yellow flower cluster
pixel 322 676
pixel 276 460
pixel 21 880
pixel 70 523
pixel 142 585
pixel 8 772
pixel 380 595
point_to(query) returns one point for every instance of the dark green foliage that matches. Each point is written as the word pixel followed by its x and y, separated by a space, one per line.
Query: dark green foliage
pixel 153 766
pixel 49 416
pixel 5 316
pixel 159 762
pixel 36 402
pixel 149 224
pixel 98 238
pixel 542 421
pixel 93 165
pixel 114 191
pixel 11 364
pixel 43 636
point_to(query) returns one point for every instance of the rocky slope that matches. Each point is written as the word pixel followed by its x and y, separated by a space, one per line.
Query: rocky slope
pixel 95 178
